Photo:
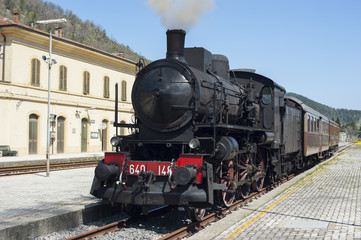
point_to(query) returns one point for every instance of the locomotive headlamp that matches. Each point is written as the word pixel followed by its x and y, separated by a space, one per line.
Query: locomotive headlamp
pixel 115 141
pixel 194 143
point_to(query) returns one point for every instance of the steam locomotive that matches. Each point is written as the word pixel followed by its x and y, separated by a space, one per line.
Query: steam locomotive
pixel 205 135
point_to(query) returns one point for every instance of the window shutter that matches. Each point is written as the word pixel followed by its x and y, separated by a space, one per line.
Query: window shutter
pixel 35 72
pixel 124 91
pixel 106 87
pixel 86 82
pixel 63 78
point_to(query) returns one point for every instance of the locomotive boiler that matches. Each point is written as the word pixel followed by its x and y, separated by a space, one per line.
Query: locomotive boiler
pixel 203 135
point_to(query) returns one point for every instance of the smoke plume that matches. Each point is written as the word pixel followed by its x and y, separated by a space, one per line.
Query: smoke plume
pixel 180 14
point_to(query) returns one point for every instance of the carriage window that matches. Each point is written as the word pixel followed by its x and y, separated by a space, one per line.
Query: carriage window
pixel 313 124
pixel 308 124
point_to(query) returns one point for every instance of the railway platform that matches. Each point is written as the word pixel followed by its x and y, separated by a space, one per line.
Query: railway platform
pixel 34 205
pixel 321 203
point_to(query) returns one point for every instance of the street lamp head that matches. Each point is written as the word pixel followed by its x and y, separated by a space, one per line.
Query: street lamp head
pixel 46 59
pixel 60 20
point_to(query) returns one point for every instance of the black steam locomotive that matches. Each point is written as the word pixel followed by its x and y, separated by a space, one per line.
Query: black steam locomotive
pixel 204 135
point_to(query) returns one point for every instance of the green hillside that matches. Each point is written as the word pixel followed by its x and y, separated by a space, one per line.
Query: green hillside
pixel 85 32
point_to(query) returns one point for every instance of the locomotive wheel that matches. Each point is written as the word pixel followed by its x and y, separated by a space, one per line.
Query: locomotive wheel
pixel 257 185
pixel 196 214
pixel 228 195
pixel 244 190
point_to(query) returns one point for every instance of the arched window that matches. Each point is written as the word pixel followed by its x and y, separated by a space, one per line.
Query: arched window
pixel 35 72
pixel 33 134
pixel 124 90
pixel 84 135
pixel 106 87
pixel 63 78
pixel 60 130
pixel 86 83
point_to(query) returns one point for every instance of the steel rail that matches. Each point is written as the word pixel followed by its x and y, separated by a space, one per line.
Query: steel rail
pixel 115 226
pixel 219 214
pixel 25 169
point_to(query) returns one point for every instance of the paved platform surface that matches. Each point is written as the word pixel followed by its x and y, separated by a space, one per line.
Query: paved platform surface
pixel 322 203
pixel 34 205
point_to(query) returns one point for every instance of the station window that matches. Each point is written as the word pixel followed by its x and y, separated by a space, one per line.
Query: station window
pixel 106 87
pixel 60 134
pixel 63 78
pixel 124 91
pixel 86 83
pixel 35 72
pixel 33 134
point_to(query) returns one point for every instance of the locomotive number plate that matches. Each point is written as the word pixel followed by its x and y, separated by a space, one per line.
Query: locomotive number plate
pixel 159 168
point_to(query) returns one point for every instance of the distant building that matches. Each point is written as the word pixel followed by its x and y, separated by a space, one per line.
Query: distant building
pixel 82 92
pixel 344 137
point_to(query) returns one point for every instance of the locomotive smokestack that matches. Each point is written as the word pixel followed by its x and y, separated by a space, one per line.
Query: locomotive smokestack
pixel 175 44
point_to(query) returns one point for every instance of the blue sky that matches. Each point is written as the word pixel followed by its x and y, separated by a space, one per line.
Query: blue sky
pixel 310 47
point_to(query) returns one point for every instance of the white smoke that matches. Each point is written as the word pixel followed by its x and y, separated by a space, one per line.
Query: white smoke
pixel 180 14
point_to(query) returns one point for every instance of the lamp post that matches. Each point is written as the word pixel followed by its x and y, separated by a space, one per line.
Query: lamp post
pixel 50 61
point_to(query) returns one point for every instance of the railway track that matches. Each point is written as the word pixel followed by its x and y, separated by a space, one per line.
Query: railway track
pixel 182 232
pixel 221 213
pixel 115 226
pixel 191 228
pixel 17 170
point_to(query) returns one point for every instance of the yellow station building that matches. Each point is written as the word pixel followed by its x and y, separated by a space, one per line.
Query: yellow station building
pixel 82 92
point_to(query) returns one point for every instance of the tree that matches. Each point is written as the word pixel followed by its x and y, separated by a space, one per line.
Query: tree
pixel 338 121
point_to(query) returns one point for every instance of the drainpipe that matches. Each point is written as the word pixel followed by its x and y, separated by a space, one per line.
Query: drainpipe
pixel 3 56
